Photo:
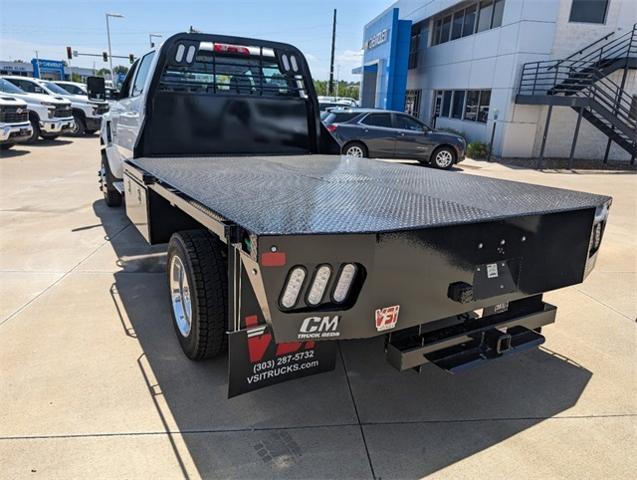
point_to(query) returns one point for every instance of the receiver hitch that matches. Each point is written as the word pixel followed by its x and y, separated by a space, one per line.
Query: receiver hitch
pixel 471 340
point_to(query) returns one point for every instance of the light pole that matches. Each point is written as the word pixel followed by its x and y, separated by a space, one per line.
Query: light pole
pixel 150 38
pixel 108 34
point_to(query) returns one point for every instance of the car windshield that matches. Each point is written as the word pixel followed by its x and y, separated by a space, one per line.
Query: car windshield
pixel 54 88
pixel 8 87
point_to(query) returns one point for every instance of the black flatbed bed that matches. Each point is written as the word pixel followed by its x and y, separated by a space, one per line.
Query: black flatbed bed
pixel 323 194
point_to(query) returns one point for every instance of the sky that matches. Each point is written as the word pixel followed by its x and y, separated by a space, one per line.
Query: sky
pixel 50 25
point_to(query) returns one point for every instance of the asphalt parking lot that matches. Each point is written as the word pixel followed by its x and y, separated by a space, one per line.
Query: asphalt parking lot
pixel 93 383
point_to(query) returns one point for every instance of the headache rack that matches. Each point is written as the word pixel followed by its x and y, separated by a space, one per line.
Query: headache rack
pixel 223 69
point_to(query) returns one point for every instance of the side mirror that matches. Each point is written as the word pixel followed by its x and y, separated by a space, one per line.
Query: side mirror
pixel 96 88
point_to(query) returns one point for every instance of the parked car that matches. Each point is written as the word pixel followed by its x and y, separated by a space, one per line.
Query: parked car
pixel 49 116
pixel 14 122
pixel 87 114
pixel 347 101
pixel 364 132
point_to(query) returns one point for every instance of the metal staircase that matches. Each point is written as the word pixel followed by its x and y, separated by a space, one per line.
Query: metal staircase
pixel 581 81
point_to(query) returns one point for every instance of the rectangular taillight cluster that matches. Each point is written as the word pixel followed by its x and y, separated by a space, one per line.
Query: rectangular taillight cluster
pixel 322 286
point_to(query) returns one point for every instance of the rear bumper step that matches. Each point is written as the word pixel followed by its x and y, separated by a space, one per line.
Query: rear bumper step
pixel 472 342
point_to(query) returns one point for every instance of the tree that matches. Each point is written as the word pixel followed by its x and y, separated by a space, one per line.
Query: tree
pixel 76 77
pixel 342 88
pixel 103 72
pixel 120 69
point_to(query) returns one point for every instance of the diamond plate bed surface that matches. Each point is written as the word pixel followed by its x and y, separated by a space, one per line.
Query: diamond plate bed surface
pixel 286 195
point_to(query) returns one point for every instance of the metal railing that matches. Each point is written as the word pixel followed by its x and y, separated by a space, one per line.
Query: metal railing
pixel 582 75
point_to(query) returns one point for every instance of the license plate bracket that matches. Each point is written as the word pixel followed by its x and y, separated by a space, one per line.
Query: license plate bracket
pixel 496 278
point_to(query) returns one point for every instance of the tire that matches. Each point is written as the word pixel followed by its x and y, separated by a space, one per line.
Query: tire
pixel 112 197
pixel 355 149
pixel 6 146
pixel 201 259
pixel 90 132
pixel 35 127
pixel 80 125
pixel 443 158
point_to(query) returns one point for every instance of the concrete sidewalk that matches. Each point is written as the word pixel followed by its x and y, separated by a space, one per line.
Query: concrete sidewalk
pixel 93 383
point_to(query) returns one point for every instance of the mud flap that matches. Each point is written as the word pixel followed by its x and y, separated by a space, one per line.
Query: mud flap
pixel 256 361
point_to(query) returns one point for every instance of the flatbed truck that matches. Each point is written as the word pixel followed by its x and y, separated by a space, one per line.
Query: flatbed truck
pixel 278 246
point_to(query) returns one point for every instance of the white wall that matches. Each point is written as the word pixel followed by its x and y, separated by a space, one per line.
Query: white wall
pixel 532 30
pixel 591 143
pixel 486 60
pixel 569 37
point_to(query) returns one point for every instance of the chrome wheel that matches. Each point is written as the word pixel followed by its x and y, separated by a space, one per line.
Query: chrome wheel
pixel 355 151
pixel 180 296
pixel 443 159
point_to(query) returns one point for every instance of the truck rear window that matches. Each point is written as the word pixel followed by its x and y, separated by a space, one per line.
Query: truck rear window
pixel 237 71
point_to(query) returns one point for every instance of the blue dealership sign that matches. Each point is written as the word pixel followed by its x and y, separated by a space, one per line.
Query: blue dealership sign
pixel 42 66
pixel 385 60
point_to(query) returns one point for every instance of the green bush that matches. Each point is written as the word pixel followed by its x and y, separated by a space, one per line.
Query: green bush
pixel 477 150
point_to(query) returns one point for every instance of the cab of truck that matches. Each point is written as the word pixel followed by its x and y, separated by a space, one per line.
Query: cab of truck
pixel 211 97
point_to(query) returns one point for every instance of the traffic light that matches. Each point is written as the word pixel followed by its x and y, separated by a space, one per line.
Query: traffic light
pixel 105 56
pixel 69 53
pixel 131 58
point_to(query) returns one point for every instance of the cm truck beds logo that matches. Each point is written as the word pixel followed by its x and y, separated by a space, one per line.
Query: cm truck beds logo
pixel 319 327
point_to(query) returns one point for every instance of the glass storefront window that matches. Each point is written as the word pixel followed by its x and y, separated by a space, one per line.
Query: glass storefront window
pixel 458 104
pixel 483 109
pixel 469 21
pixel 471 108
pixel 498 12
pixel 588 11
pixel 484 16
pixel 446 103
pixel 477 17
pixel 456 26
pixel 445 29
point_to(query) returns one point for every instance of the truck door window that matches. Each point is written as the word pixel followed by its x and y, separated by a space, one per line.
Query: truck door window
pixel 126 84
pixel 142 74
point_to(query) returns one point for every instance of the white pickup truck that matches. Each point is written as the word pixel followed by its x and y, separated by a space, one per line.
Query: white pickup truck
pixel 14 122
pixel 49 116
pixel 87 114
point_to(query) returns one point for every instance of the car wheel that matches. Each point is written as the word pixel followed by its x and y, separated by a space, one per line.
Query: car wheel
pixel 355 149
pixel 111 196
pixel 90 132
pixel 444 158
pixel 198 289
pixel 79 127
pixel 35 129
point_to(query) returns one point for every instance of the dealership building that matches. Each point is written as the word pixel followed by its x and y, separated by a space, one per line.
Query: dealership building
pixel 538 78
pixel 44 68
